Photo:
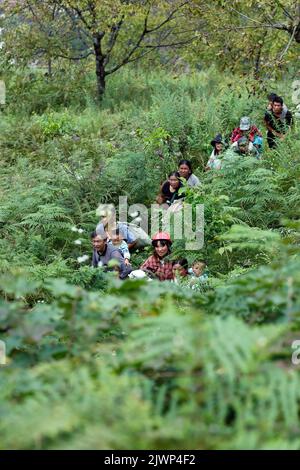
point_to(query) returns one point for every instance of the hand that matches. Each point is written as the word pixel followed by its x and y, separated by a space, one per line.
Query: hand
pixel 127 262
pixel 150 274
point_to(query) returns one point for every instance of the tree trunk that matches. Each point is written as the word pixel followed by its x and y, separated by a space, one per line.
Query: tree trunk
pixel 100 68
pixel 258 57
pixel 49 67
pixel 297 34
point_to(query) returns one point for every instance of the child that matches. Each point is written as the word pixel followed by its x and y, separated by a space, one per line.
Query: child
pixel 180 271
pixel 198 268
pixel 199 278
pixel 119 242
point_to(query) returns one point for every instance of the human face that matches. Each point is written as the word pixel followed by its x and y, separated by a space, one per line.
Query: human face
pixel 99 244
pixel 179 270
pixel 198 269
pixel 184 171
pixel 243 148
pixel 161 248
pixel 109 220
pixel 277 108
pixel 219 146
pixel 116 239
pixel 174 182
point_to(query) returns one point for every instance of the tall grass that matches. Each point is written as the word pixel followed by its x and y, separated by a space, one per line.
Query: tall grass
pixel 82 153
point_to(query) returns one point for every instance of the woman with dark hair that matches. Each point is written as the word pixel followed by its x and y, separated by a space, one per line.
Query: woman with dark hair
pixel 214 162
pixel 185 171
pixel 157 263
pixel 169 191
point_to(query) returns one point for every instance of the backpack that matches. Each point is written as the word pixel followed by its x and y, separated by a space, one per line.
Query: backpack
pixel 142 238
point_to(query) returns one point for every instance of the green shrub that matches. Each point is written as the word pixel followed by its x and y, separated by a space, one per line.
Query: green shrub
pixel 94 362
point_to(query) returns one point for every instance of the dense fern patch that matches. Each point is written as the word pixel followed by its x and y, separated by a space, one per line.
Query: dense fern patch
pixel 93 362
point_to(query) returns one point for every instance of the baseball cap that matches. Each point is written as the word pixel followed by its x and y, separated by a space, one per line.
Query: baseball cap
pixel 245 123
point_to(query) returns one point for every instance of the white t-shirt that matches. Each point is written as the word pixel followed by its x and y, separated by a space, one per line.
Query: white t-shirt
pixel 214 163
pixel 193 180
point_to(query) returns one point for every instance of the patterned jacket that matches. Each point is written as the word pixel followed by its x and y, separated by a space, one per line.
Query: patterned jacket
pixel 237 134
pixel 163 269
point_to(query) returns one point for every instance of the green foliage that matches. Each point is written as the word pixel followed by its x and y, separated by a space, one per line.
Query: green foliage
pixel 53 126
pixel 253 38
pixel 125 360
pixel 30 91
pixel 94 362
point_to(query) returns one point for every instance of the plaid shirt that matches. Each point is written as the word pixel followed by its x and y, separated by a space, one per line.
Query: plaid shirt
pixel 237 134
pixel 163 269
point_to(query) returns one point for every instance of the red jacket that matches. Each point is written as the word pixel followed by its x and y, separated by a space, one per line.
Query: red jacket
pixel 163 269
pixel 237 134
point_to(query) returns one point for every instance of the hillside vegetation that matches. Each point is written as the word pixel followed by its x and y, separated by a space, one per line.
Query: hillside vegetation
pixel 94 362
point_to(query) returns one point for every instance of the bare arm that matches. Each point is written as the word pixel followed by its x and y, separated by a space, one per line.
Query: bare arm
pixel 270 128
pixel 131 245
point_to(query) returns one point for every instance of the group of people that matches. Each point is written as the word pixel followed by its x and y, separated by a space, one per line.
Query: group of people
pixel 112 251
pixel 163 268
pixel 170 189
pixel 247 139
pixel 114 241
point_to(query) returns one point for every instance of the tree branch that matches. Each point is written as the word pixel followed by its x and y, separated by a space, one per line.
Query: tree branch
pixel 284 9
pixel 272 26
pixel 169 18
pixel 63 56
pixel 138 57
pixel 172 44
pixel 80 15
pixel 279 26
pixel 137 45
pixel 289 43
pixel 35 16
pixel 150 48
pixel 145 32
pixel 112 40
pixel 243 15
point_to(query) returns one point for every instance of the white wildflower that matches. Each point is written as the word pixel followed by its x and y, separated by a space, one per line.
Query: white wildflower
pixel 82 259
pixel 74 229
pixel 77 242
pixel 80 230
